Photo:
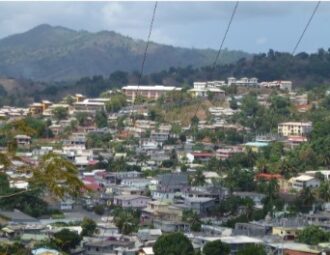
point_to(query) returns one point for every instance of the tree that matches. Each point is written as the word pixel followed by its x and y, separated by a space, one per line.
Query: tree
pixel 199 178
pixel 81 118
pixel 173 244
pixel 101 119
pixel 252 249
pixel 88 227
pixel 66 240
pixel 216 248
pixel 324 191
pixel 14 249
pixel 233 103
pixel 305 200
pixel 127 221
pixel 313 235
pixel 193 219
pixel 117 101
pixel 57 175
pixel 60 113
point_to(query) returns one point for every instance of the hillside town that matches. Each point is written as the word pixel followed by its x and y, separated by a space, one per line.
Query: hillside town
pixel 240 161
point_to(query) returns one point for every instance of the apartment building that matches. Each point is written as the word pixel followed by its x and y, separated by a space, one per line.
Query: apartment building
pixel 91 105
pixel 150 92
pixel 283 85
pixel 294 128
pixel 245 81
pixel 203 89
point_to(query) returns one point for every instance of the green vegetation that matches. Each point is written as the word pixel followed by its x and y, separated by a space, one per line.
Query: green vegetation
pixel 88 227
pixel 313 235
pixel 126 220
pixel 252 249
pixel 174 243
pixel 216 248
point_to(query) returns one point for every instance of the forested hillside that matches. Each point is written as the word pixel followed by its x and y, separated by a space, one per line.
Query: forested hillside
pixel 47 53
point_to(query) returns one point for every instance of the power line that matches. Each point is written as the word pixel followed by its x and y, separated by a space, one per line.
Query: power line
pixel 225 35
pixel 148 42
pixel 306 27
pixel 221 45
pixel 145 54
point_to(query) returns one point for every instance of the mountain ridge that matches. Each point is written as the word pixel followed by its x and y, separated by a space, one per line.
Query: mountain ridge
pixel 55 53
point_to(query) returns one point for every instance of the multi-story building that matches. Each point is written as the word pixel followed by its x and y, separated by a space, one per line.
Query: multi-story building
pixel 203 89
pixel 243 81
pixel 150 92
pixel 294 128
pixel 283 85
pixel 304 181
pixel 91 105
pixel 227 151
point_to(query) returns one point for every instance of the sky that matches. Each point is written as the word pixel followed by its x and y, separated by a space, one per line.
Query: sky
pixel 257 26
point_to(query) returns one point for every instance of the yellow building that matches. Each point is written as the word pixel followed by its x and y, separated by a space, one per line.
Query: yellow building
pixel 288 233
pixel 294 128
pixel 162 210
pixel 36 109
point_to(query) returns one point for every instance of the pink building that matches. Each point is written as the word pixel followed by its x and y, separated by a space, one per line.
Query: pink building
pixel 228 151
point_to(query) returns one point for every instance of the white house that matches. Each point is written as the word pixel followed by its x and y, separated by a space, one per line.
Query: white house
pixel 304 181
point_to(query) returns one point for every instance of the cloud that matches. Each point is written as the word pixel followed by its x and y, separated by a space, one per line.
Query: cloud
pixel 261 40
pixel 189 24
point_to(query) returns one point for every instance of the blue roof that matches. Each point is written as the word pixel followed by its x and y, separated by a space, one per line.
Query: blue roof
pixel 257 144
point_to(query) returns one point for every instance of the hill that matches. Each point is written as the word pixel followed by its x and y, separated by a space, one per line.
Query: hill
pixel 48 53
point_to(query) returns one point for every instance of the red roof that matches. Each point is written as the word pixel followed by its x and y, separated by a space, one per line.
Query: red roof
pixel 297 139
pixel 202 154
pixel 268 177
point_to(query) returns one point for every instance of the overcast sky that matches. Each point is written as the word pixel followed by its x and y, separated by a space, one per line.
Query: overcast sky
pixel 257 27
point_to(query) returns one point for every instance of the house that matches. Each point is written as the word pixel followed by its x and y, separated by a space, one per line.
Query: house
pixel 91 105
pixel 150 92
pixel 45 251
pixel 204 89
pixel 292 248
pixel 36 109
pixel 294 128
pixel 146 251
pixel 324 173
pixel 256 197
pixel 161 210
pixel 304 181
pixel 66 204
pixel 255 146
pixel 159 136
pixel 252 229
pixel 227 151
pixel 171 226
pixel 148 234
pixel 131 201
pixel 16 216
pixel 136 182
pixel 23 141
pixel 106 246
pixel 202 156
pixel 243 81
pixel 201 205
pixel 173 182
pixel 235 243
pixel 287 233
pixel 283 85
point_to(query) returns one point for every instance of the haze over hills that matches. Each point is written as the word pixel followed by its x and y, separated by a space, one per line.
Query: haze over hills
pixel 49 53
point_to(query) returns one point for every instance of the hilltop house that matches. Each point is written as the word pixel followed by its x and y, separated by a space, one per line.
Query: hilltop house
pixel 150 92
